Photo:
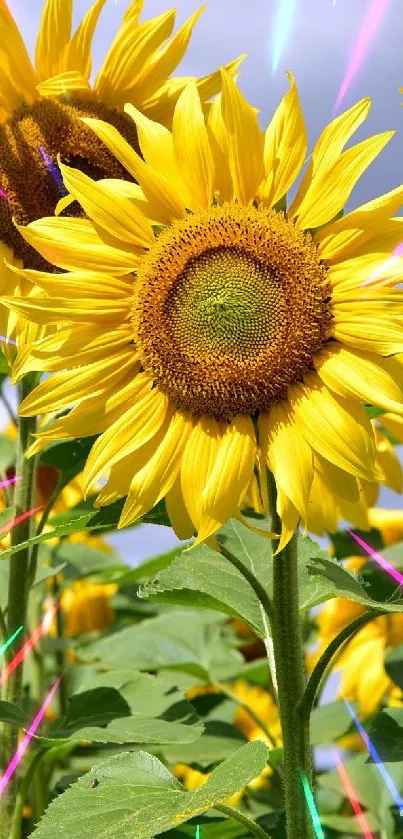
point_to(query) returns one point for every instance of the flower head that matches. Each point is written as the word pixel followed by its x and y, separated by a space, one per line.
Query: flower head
pixel 206 333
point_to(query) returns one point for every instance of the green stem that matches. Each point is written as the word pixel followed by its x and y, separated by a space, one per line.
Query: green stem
pixel 60 657
pixel 322 666
pixel 41 524
pixel 289 658
pixel 18 592
pixel 253 828
pixel 22 794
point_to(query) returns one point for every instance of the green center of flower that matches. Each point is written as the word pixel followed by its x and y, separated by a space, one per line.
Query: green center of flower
pixel 230 307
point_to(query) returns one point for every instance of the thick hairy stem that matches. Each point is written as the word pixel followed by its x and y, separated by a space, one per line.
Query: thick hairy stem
pixel 18 592
pixel 289 658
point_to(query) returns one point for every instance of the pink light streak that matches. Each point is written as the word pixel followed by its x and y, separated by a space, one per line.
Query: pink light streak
pixel 8 340
pixel 3 195
pixel 378 558
pixel 9 481
pixel 352 796
pixel 24 516
pixel 12 766
pixel 32 640
pixel 386 265
pixel 372 21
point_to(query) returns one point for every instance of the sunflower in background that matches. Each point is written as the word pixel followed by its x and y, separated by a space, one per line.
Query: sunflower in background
pixel 40 110
pixel 363 677
pixel 242 319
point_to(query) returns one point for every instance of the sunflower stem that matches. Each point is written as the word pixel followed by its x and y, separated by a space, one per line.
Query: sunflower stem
pixel 18 593
pixel 289 658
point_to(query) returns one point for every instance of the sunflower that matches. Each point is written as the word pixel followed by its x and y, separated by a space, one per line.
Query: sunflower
pixel 205 330
pixel 41 106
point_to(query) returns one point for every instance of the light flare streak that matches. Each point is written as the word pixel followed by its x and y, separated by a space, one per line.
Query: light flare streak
pixel 9 481
pixel 31 641
pixel 377 558
pixel 375 757
pixel 352 796
pixel 17 520
pixel 53 169
pixel 12 766
pixel 282 28
pixel 3 195
pixel 311 805
pixel 8 340
pixel 371 23
pixel 10 640
pixel 386 265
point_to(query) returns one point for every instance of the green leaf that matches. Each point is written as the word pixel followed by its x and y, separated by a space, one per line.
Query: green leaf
pixel 83 560
pixel 182 640
pixel 369 787
pixel 153 800
pixel 349 824
pixel 372 411
pixel 43 572
pixel 387 734
pixel 133 707
pixel 93 707
pixel 13 714
pixel 8 453
pixel 394 665
pixel 345 546
pixel 219 740
pixel 68 457
pixel 328 722
pixel 204 578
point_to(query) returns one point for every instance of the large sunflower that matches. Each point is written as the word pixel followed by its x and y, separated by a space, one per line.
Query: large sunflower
pixel 40 108
pixel 203 329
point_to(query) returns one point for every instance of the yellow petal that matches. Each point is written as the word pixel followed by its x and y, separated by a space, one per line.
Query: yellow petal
pixel 160 67
pixel 177 513
pixel 133 47
pixel 340 483
pixel 162 194
pixel 289 517
pixel 156 477
pixel 70 81
pixel 13 54
pixel 368 271
pixel 73 243
pixel 44 309
pixel 388 462
pixel 329 194
pixel 54 36
pixel 64 389
pixel 192 149
pixel 117 215
pixel 134 428
pixel 289 457
pixel 328 149
pixel 90 283
pixel 244 141
pixel 285 146
pixel 367 377
pixel 394 425
pixel 336 427
pixel 365 227
pixel 368 330
pixel 220 151
pixel 221 458
pixel 78 53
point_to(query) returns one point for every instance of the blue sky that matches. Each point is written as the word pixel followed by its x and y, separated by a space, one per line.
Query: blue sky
pixel 317 52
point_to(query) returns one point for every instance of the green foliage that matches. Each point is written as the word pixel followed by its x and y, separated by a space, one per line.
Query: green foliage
pixel 153 800
pixel 328 722
pixel 7 453
pixel 387 734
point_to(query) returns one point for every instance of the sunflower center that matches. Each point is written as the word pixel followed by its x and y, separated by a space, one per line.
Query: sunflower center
pixel 30 182
pixel 231 305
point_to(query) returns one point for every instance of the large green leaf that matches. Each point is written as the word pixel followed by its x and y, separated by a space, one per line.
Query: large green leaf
pixel 328 722
pixel 203 577
pixel 183 640
pixel 83 560
pixel 387 734
pixel 129 707
pixel 219 740
pixel 136 796
pixel 69 457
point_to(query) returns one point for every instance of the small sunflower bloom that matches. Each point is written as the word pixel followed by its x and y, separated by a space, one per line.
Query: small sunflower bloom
pixel 41 104
pixel 204 332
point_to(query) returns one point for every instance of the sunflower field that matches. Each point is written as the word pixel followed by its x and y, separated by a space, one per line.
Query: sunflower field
pixel 202 337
